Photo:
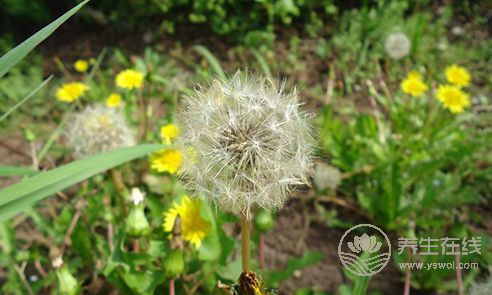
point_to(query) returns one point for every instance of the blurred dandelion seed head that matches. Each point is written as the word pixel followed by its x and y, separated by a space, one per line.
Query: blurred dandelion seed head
pixel 326 176
pixel 98 129
pixel 481 287
pixel 397 45
pixel 247 143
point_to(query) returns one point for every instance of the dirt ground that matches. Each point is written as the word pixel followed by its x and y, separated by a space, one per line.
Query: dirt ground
pixel 289 238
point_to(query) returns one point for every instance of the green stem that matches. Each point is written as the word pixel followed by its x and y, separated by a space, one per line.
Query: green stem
pixel 120 188
pixel 245 239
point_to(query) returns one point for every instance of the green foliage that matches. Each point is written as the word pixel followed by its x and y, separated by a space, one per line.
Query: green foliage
pixel 411 165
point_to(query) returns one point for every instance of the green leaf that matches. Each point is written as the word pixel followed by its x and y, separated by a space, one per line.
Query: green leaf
pixel 293 264
pixel 24 194
pixel 230 271
pixel 212 60
pixel 20 51
pixel 8 171
pixel 211 247
pixel 360 282
pixel 143 282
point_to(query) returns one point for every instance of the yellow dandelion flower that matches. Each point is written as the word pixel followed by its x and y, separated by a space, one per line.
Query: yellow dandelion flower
pixel 168 160
pixel 414 74
pixel 458 76
pixel 169 132
pixel 69 92
pixel 413 85
pixel 193 227
pixel 81 65
pixel 129 79
pixel 453 98
pixel 114 100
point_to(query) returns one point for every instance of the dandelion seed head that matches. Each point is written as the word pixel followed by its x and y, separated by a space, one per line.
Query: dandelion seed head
pixel 326 176
pixel 251 143
pixel 397 45
pixel 458 31
pixel 98 129
pixel 481 287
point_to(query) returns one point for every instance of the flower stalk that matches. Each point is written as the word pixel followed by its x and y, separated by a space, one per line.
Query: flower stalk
pixel 408 272
pixel 262 251
pixel 120 188
pixel 245 241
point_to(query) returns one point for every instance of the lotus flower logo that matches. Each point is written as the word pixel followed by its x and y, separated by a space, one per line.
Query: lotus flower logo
pixel 365 243
pixel 367 255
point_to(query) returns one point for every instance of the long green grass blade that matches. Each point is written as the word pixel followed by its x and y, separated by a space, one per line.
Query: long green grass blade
pixel 9 171
pixel 24 194
pixel 31 94
pixel 212 60
pixel 15 55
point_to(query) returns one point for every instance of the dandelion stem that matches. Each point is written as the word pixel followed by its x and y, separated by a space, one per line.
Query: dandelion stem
pixel 120 188
pixel 171 287
pixel 143 115
pixel 245 238
pixel 408 272
pixel 262 251
pixel 459 276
